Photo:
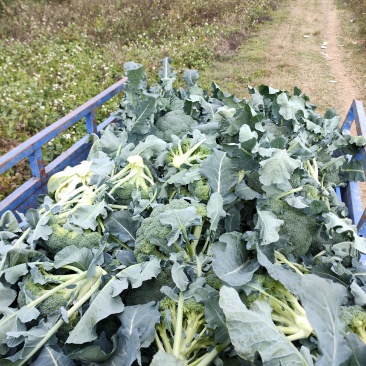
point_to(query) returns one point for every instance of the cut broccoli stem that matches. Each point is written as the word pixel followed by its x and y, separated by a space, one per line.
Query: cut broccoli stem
pixel 197 234
pixel 59 323
pixel 179 327
pixel 118 207
pixel 120 242
pixel 289 192
pixel 186 158
pixel 207 359
pixel 281 259
pixel 206 246
pixel 192 341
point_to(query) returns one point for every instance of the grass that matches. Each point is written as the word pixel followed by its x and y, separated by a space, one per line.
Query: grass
pixel 55 55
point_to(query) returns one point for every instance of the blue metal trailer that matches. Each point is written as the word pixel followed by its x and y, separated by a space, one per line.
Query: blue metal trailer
pixel 25 196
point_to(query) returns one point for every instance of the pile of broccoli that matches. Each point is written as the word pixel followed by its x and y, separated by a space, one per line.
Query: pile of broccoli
pixel 195 234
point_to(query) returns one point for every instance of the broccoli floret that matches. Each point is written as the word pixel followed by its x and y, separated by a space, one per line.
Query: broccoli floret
pixel 174 123
pixel 61 238
pixel 287 313
pixel 187 152
pixel 311 192
pixel 212 280
pixel 200 189
pixel 152 232
pixel 354 318
pixel 295 179
pixel 134 176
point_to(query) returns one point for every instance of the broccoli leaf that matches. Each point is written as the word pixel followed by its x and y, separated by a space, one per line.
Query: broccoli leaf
pixel 231 260
pixel 214 315
pixel 220 172
pixel 80 258
pixel 252 330
pixel 123 226
pixel 151 146
pixel 322 300
pixel 85 216
pixel 180 220
pixel 215 210
pixel 269 226
pixel 290 107
pixel 137 331
pixel 165 359
pixel 278 168
pixel 49 356
pixel 140 272
pixel 8 222
pixel 105 303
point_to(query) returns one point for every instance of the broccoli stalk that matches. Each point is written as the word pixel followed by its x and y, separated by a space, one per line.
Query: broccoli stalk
pixel 298 268
pixel 183 332
pixel 86 295
pixel 135 174
pixel 184 154
pixel 287 313
pixel 75 289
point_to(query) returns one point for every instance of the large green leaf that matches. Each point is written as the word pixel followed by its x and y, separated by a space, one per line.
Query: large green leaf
pixel 269 226
pixel 105 303
pixel 220 172
pixel 50 357
pixel 278 168
pixel 231 260
pixel 322 300
pixel 252 330
pixel 215 210
pixel 179 220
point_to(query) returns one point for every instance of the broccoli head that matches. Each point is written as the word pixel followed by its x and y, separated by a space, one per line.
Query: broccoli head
pixel 300 229
pixel 213 280
pixel 200 189
pixel 151 236
pixel 35 290
pixel 176 123
pixel 354 318
pixel 62 238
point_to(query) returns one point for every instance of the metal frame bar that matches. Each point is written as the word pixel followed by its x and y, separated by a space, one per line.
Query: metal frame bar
pixel 351 195
pixel 25 196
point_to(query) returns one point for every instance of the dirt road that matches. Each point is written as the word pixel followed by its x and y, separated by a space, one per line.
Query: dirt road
pixel 310 44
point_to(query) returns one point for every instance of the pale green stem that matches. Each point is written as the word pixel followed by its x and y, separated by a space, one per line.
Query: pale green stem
pixel 179 329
